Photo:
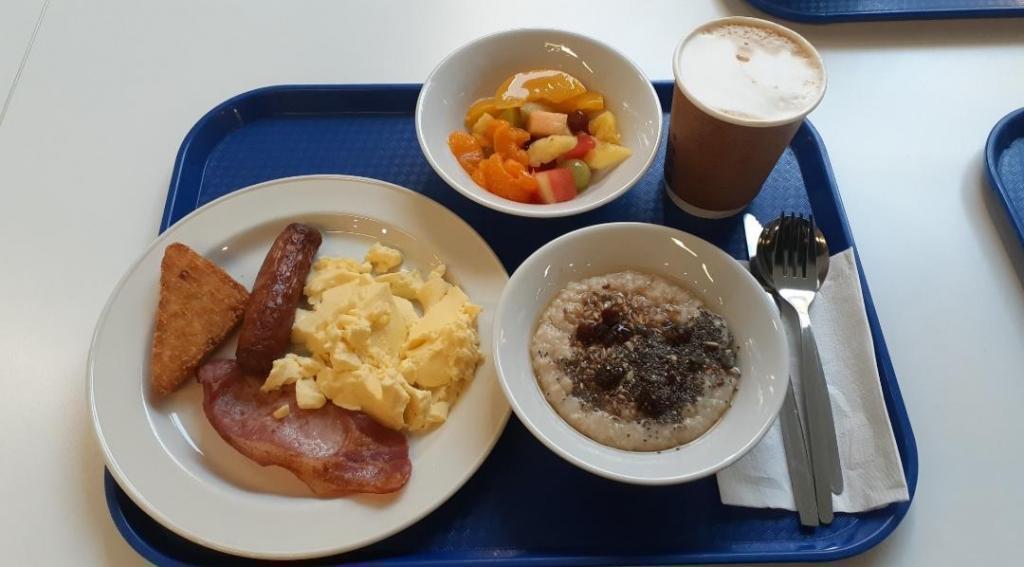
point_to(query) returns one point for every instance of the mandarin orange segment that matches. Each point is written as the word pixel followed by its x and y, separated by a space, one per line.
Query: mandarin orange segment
pixel 495 177
pixel 587 102
pixel 466 149
pixel 508 142
pixel 507 178
pixel 478 177
pixel 493 126
pixel 484 141
pixel 542 85
pixel 479 108
pixel 515 168
pixel 524 186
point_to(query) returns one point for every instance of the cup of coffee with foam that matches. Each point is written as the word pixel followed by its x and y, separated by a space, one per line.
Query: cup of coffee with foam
pixel 743 87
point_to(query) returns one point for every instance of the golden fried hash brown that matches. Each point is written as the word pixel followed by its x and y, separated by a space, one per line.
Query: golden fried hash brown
pixel 199 305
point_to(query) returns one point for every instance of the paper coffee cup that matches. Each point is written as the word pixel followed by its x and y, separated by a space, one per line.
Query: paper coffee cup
pixel 742 88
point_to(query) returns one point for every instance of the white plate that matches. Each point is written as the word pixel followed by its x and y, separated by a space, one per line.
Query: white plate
pixel 175 466
pixel 709 274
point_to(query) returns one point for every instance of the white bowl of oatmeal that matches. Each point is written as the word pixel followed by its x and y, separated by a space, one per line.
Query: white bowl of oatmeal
pixel 640 353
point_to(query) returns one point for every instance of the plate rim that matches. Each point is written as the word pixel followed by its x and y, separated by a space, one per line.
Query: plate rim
pixel 140 499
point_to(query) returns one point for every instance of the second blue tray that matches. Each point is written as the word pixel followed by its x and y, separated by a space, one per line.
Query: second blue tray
pixel 827 11
pixel 525 505
pixel 1004 156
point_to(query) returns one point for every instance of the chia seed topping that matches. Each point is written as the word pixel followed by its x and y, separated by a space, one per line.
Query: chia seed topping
pixel 637 360
pixel 634 361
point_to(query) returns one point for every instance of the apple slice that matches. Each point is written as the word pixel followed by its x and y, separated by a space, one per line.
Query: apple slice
pixel 541 123
pixel 555 185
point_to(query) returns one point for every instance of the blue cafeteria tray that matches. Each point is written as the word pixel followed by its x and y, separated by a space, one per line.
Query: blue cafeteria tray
pixel 1004 154
pixel 828 11
pixel 525 505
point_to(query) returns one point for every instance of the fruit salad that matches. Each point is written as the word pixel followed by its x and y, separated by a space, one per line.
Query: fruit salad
pixel 542 138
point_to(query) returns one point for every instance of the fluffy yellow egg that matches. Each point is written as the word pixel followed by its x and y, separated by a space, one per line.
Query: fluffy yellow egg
pixel 371 349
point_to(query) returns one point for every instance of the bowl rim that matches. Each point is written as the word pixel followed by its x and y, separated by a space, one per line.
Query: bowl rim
pixel 531 209
pixel 573 457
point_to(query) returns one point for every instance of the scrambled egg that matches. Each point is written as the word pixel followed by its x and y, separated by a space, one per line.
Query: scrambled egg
pixel 369 348
pixel 382 258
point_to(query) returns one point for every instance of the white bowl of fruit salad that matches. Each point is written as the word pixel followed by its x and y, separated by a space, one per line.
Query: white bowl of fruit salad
pixel 538 123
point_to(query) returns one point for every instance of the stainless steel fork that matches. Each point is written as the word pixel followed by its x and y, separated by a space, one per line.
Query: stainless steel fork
pixel 794 275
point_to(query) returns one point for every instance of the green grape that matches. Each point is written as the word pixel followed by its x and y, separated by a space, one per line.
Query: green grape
pixel 580 173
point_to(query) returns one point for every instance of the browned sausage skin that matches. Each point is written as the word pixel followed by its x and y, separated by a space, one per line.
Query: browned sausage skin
pixel 269 315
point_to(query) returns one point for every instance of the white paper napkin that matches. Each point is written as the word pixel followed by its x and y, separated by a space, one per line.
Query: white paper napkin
pixel 872 470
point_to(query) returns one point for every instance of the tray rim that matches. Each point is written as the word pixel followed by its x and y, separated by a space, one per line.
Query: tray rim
pixel 898 415
pixel 774 8
pixel 994 148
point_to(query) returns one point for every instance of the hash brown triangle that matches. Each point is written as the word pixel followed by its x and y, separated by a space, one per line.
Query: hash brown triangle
pixel 200 304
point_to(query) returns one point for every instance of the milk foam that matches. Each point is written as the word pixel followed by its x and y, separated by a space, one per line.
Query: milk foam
pixel 750 72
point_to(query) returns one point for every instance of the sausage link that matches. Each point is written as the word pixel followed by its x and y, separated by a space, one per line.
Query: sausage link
pixel 269 315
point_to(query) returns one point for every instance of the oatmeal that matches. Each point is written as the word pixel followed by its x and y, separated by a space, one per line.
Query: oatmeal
pixel 634 362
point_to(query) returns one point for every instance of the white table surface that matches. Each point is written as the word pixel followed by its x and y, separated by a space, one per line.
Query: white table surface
pixel 111 88
pixel 18 20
